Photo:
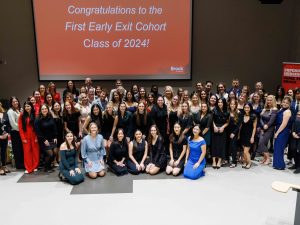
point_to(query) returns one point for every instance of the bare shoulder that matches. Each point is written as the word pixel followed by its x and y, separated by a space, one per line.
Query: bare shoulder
pixel 63 147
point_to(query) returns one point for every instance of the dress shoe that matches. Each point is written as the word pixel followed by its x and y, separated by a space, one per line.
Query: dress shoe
pixel 297 171
pixel 293 167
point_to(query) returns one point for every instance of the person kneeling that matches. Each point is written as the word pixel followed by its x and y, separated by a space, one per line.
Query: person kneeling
pixel 195 156
pixel 158 158
pixel 68 168
pixel 118 153
pixel 138 149
pixel 92 151
pixel 178 146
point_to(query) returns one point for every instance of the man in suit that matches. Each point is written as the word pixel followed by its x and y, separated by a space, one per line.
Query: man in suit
pixel 295 108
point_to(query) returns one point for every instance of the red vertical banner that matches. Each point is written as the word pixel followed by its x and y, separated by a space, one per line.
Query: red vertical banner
pixel 290 75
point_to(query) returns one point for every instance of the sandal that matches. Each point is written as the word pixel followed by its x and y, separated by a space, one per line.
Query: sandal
pixel 6 170
pixel 248 166
pixel 232 165
pixel 2 172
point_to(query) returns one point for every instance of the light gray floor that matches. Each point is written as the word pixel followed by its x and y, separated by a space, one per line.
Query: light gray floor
pixel 225 196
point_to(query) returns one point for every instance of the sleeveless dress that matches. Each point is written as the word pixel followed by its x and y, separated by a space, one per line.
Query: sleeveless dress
pixel 138 153
pixel 195 153
pixel 281 141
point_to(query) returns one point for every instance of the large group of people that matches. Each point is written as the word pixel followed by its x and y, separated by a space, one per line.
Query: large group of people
pixel 132 131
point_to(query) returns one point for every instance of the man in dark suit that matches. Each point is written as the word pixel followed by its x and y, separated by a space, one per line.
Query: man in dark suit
pixel 295 108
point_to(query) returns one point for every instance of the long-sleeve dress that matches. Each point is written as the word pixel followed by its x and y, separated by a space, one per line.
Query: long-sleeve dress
pixel 233 128
pixel 218 146
pixel 157 154
pixel 68 162
pixel 194 155
pixel 268 117
pixel 118 151
pixel 92 150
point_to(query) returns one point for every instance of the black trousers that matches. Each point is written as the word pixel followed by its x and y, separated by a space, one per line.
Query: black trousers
pixel 17 148
pixel 3 147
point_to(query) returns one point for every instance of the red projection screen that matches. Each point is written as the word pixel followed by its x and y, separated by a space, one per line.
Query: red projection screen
pixel 107 40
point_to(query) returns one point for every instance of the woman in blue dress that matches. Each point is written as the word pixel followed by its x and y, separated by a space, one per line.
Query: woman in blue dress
pixel 195 156
pixel 282 133
pixel 92 151
pixel 68 165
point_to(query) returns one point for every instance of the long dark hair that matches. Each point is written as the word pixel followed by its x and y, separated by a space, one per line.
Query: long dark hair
pixel 49 115
pixel 26 115
pixel 224 109
pixel 150 136
pixel 192 134
pixel 116 136
pixel 138 115
pixel 180 137
pixel 11 100
pixel 73 141
pixel 95 118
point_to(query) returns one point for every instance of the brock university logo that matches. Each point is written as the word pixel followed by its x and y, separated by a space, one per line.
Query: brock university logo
pixel 178 69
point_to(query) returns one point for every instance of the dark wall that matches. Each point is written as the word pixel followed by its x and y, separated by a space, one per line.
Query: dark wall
pixel 231 38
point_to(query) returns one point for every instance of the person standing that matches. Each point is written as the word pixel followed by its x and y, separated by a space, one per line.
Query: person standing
pixel 282 133
pixel 17 147
pixel 46 130
pixel 247 133
pixel 267 127
pixel 29 138
pixel 218 140
pixel 4 131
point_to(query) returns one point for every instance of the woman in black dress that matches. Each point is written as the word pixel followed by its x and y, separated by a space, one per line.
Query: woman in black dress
pixel 212 102
pixel 204 120
pixel 173 112
pixel 220 122
pixel 138 150
pixel 57 116
pixel 159 115
pixel 158 159
pixel 46 129
pixel 178 146
pixel 247 133
pixel 233 129
pixel 141 120
pixel 123 120
pixel 118 154
pixel 71 118
pixel 108 123
pixel 185 119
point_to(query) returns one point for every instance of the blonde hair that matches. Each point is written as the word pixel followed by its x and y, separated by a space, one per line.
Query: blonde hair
pixel 2 110
pixel 274 105
pixel 91 124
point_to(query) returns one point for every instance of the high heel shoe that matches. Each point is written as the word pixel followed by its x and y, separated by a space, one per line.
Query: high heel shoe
pixel 244 165
pixel 248 166
pixel 214 166
pixel 2 172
